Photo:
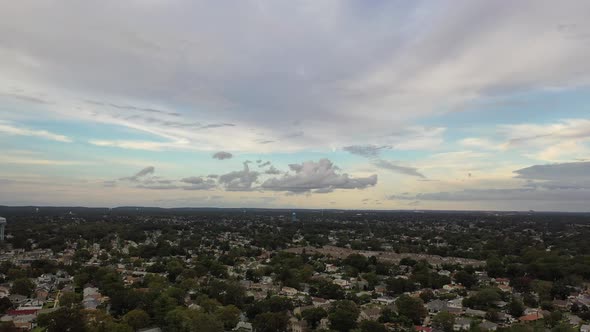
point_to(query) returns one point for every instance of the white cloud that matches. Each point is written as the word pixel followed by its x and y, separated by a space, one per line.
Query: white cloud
pixel 11 129
pixel 480 143
pixel 320 177
pixel 142 145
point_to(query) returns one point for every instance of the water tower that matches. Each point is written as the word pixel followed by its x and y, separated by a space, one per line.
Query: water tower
pixel 2 225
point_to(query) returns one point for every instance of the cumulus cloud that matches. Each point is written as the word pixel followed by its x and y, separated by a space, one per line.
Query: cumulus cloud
pixel 321 176
pixel 222 155
pixel 239 180
pixel 384 164
pixel 272 171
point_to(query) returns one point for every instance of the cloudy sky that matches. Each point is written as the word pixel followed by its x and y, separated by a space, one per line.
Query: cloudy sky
pixel 311 104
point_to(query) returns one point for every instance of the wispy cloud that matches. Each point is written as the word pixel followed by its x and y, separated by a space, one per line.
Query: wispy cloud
pixel 8 128
pixel 388 165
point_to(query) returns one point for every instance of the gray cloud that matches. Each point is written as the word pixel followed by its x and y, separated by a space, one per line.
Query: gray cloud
pixel 132 108
pixel 26 98
pixel 201 186
pixel 321 176
pixel 380 70
pixel 157 187
pixel 294 135
pixel 239 180
pixel 198 183
pixel 565 182
pixel 398 169
pixel 222 155
pixel 563 171
pixel 109 183
pixel 510 194
pixel 369 151
pixel 193 180
pixel 144 172
pixel 218 125
pixel 267 163
pixel 272 171
pixel 323 190
pixel 557 176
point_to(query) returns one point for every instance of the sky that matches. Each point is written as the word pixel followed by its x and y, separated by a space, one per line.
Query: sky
pixel 463 105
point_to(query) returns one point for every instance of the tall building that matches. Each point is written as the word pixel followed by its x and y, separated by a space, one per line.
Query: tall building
pixel 294 217
pixel 2 225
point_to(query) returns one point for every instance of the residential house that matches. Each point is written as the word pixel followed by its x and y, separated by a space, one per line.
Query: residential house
pixel 243 327
pixel 289 291
pixel 488 326
pixel 475 313
pixel 436 306
pixel 296 325
pixel 372 313
pixel 531 317
pixel 573 319
pixel 461 323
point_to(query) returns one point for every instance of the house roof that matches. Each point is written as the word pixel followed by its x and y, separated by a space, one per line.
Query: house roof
pixel 20 312
pixel 531 317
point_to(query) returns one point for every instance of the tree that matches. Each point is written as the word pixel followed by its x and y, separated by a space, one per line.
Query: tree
pixel 444 321
pixel 313 316
pixel 411 308
pixel 137 319
pixel 388 316
pixel 466 279
pixel 563 327
pixel 494 267
pixel 5 304
pixel 202 322
pixel 8 327
pixel 22 286
pixel 162 306
pixel 427 295
pixel 63 319
pixel 329 290
pixel 343 315
pixel 516 308
pixel 399 285
pixel 484 299
pixel 229 315
pixel 271 322
pixel 69 299
pixel 357 261
pixel 227 292
pixel 371 326
pixel 493 315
